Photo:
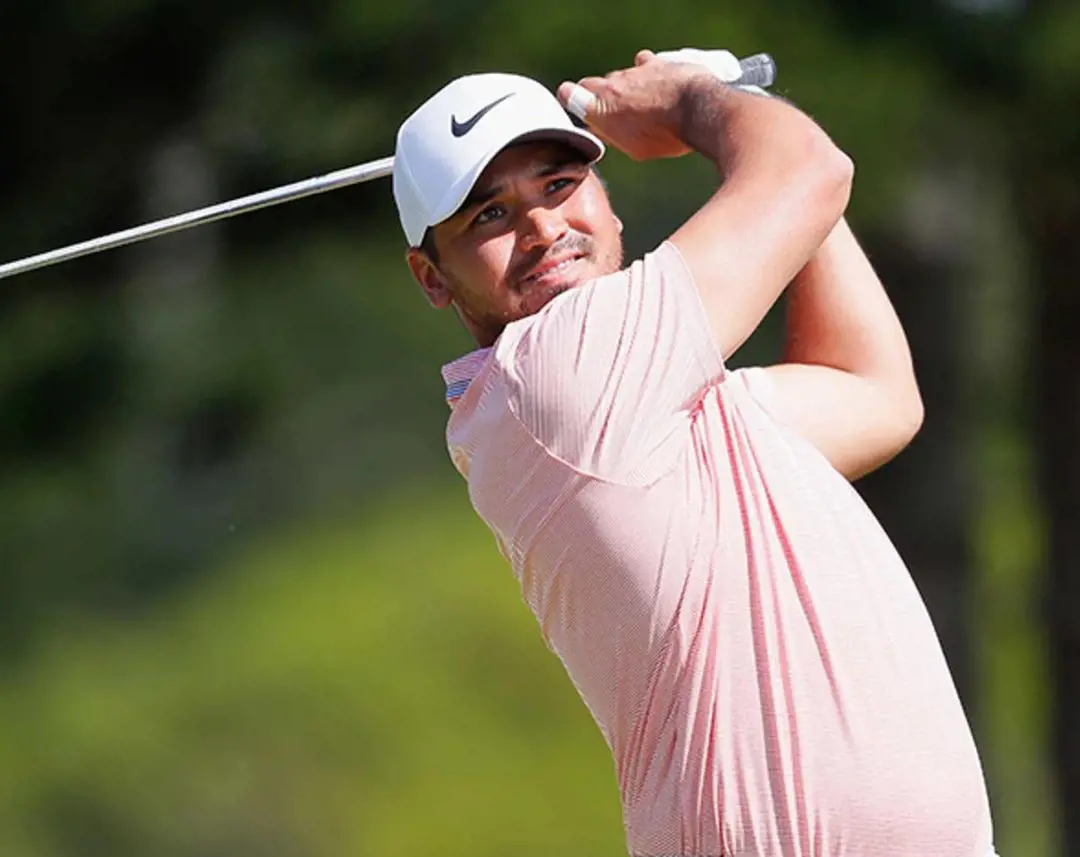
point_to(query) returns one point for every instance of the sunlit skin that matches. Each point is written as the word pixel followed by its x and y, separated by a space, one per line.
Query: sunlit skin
pixel 537 223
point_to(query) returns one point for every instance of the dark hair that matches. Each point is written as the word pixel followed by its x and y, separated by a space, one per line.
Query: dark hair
pixel 427 246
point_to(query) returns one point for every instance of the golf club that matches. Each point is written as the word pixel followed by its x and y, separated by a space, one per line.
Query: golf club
pixel 757 71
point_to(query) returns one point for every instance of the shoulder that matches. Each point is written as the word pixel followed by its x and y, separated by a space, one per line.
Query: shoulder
pixel 593 319
pixel 608 372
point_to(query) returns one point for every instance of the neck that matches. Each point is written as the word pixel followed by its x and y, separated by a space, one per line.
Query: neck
pixel 483 335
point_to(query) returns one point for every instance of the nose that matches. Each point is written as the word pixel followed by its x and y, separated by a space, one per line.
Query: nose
pixel 540 227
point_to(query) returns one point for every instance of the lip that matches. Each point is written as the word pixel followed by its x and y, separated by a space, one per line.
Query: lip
pixel 552 268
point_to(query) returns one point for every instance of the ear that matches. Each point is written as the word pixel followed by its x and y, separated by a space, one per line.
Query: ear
pixel 429 277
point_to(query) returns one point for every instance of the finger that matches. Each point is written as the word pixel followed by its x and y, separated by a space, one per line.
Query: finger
pixel 580 102
pixel 643 56
pixel 578 99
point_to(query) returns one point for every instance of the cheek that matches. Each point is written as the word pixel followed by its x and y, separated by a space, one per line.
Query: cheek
pixel 593 216
pixel 491 260
pixel 480 273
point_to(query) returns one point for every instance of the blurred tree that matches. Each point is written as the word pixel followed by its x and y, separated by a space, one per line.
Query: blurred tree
pixel 1045 170
pixel 924 498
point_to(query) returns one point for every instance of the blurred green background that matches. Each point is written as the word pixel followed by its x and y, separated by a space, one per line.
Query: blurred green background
pixel 245 608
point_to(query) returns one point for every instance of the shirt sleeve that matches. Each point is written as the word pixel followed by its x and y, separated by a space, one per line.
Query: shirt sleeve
pixel 762 389
pixel 608 375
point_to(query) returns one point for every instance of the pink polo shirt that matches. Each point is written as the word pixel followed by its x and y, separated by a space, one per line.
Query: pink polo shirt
pixel 740 627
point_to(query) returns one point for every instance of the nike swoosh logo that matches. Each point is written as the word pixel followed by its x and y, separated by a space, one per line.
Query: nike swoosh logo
pixel 460 129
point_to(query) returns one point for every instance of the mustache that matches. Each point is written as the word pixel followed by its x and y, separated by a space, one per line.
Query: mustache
pixel 574 244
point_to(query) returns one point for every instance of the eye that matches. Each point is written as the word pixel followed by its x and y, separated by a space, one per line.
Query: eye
pixel 556 185
pixel 489 214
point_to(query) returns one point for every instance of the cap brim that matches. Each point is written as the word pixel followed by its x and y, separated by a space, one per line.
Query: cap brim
pixel 584 141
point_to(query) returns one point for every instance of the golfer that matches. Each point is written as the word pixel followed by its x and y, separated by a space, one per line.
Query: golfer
pixel 745 635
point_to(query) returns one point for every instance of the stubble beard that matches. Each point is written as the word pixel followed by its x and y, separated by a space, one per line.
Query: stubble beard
pixel 494 322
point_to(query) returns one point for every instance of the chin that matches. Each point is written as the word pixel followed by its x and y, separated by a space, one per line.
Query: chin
pixel 538 294
pixel 541 296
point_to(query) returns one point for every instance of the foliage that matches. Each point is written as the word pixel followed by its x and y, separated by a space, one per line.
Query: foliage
pixel 373 685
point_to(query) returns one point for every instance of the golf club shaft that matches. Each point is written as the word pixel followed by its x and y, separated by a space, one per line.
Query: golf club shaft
pixel 286 193
pixel 758 70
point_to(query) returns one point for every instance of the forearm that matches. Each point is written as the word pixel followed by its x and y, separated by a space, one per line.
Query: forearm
pixel 784 185
pixel 839 315
pixel 729 127
pixel 846 382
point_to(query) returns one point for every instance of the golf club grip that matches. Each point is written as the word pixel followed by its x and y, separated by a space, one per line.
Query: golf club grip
pixel 757 70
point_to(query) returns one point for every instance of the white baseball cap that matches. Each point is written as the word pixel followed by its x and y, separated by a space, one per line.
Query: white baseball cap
pixel 444 146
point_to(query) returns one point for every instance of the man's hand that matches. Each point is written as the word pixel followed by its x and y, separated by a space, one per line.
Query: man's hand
pixel 638 110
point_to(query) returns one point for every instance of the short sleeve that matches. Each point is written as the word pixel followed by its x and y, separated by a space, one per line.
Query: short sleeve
pixel 607 375
pixel 762 389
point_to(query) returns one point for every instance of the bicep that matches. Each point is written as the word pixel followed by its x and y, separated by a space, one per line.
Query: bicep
pixel 851 420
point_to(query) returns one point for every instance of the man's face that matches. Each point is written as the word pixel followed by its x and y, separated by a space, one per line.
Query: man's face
pixel 538 222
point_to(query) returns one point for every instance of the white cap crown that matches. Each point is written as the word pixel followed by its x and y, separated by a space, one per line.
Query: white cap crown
pixel 444 146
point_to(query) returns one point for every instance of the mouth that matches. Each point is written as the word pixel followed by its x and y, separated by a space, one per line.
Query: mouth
pixel 552 271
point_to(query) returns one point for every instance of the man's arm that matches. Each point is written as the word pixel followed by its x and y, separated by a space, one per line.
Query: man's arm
pixel 784 187
pixel 846 382
pixel 783 183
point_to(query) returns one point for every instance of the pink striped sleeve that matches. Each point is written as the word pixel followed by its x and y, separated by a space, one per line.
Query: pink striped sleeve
pixel 607 376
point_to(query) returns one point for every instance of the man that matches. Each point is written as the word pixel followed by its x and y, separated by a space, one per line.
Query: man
pixel 744 634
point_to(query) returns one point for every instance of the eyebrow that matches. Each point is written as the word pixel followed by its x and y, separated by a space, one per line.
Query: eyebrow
pixel 479 196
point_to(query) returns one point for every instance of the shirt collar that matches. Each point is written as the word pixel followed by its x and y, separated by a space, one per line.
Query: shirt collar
pixel 459 374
